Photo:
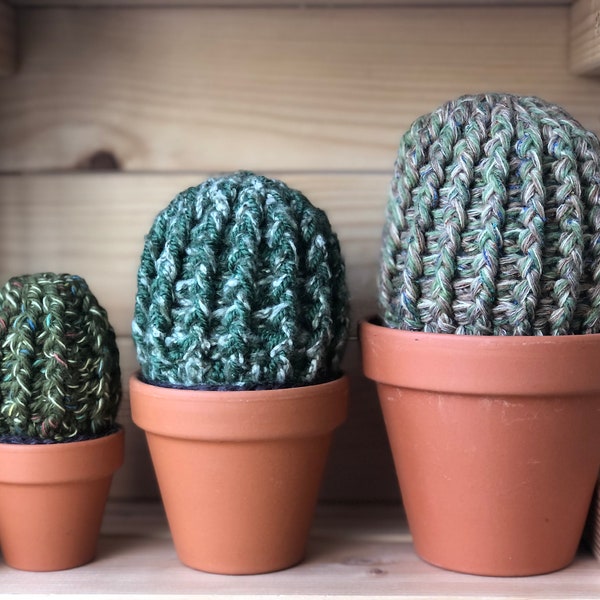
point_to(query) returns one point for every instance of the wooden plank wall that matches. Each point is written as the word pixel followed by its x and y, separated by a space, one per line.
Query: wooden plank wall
pixel 114 110
pixel 585 37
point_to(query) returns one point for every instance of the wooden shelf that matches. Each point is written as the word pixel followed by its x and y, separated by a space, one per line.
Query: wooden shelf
pixel 110 107
pixel 353 553
pixel 293 3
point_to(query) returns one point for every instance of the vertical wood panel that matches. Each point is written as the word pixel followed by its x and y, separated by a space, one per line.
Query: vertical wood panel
pixel 585 37
pixel 8 39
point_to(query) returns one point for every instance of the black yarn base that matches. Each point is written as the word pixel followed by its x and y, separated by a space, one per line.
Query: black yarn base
pixel 235 387
pixel 32 441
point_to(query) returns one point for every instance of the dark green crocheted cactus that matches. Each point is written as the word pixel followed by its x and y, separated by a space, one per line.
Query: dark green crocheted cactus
pixel 493 222
pixel 241 285
pixel 59 367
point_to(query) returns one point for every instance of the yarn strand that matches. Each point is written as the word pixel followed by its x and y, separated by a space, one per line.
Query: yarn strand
pixel 494 224
pixel 59 366
pixel 236 289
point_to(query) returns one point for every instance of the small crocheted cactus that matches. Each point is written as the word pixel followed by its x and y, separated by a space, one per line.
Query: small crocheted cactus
pixel 59 367
pixel 493 222
pixel 241 286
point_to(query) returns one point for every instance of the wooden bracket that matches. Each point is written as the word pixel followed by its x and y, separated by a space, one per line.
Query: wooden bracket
pixel 585 37
pixel 8 39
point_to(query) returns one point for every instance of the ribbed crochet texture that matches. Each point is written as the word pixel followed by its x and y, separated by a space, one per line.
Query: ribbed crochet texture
pixel 59 363
pixel 242 285
pixel 493 220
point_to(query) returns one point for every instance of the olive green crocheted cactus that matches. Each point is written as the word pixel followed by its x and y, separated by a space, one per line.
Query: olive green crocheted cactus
pixel 241 285
pixel 493 222
pixel 59 365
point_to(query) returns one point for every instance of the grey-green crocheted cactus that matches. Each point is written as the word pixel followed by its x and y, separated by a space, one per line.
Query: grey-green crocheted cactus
pixel 493 222
pixel 59 364
pixel 241 285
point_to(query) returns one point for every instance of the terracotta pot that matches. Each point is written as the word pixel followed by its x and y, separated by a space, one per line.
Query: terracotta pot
pixel 496 442
pixel 239 471
pixel 52 500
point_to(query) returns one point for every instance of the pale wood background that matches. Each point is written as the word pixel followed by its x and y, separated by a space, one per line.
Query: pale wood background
pixel 112 110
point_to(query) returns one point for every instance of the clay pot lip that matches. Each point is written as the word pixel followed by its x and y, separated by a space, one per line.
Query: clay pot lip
pixel 232 396
pixel 62 462
pixel 497 365
pixel 373 324
pixel 239 414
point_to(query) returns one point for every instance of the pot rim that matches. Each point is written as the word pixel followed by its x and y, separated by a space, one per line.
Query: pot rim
pixel 494 365
pixel 62 462
pixel 239 415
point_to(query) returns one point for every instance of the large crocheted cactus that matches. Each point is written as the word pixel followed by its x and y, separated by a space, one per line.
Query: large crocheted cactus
pixel 241 285
pixel 59 367
pixel 493 222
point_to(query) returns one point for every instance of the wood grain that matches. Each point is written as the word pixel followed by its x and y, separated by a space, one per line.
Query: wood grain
pixel 352 554
pixel 8 39
pixel 114 110
pixel 205 89
pixel 585 37
pixel 93 225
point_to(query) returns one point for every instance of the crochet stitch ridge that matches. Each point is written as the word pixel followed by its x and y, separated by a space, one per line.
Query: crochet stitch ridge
pixel 241 284
pixel 493 222
pixel 60 378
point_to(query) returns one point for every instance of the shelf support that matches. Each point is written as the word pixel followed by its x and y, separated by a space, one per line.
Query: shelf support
pixel 585 37
pixel 8 39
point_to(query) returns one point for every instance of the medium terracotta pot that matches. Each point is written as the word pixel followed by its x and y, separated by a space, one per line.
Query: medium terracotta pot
pixel 239 471
pixel 52 500
pixel 496 442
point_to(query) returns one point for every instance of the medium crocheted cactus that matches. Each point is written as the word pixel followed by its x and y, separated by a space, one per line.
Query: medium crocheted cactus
pixel 493 222
pixel 59 368
pixel 241 285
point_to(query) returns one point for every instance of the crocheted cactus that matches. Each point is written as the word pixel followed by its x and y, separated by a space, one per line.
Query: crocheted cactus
pixel 493 222
pixel 241 285
pixel 59 367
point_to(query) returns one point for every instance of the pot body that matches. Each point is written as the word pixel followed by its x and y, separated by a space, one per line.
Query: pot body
pixel 496 443
pixel 52 500
pixel 239 471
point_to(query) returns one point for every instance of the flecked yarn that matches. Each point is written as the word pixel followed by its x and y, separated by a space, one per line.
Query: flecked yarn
pixel 241 285
pixel 59 365
pixel 493 221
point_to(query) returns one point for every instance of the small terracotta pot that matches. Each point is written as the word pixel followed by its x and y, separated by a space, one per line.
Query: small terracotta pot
pixel 52 500
pixel 239 471
pixel 496 442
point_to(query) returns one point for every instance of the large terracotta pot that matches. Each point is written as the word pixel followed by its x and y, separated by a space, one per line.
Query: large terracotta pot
pixel 52 500
pixel 496 442
pixel 239 471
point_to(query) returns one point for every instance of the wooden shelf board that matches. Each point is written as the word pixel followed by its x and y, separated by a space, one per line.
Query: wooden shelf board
pixel 196 90
pixel 357 552
pixel 301 3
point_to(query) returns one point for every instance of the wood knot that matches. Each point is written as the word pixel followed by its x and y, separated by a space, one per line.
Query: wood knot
pixel 101 160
